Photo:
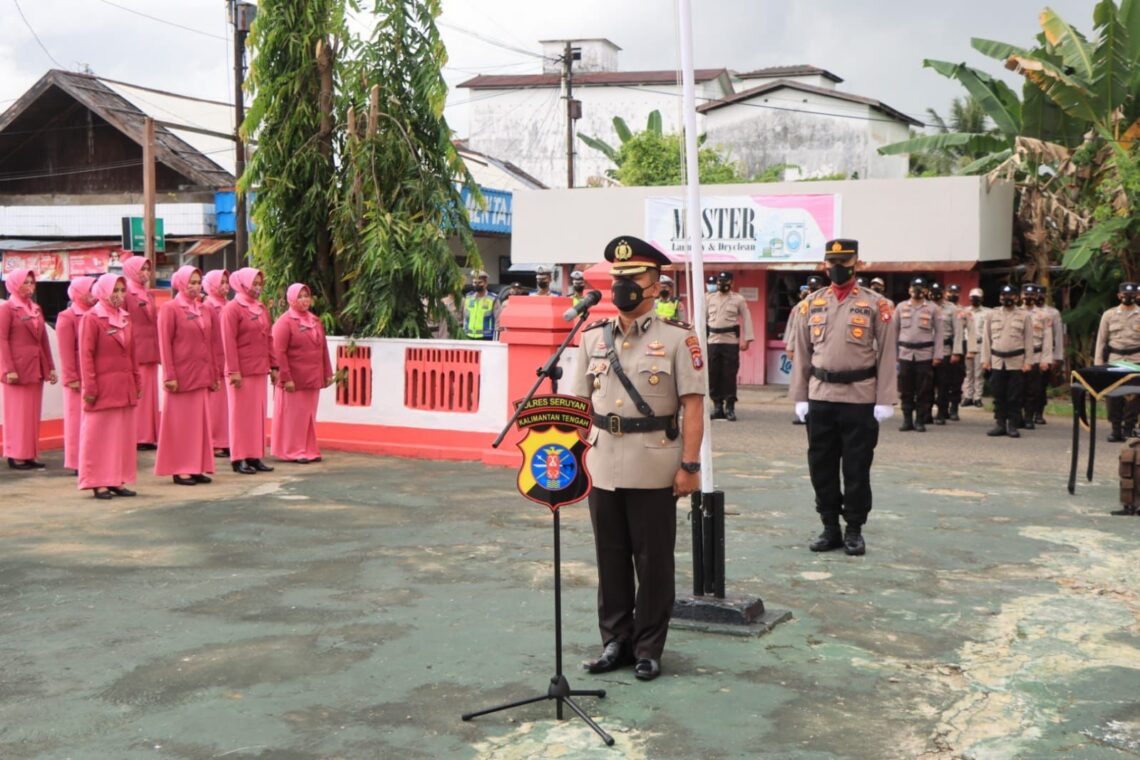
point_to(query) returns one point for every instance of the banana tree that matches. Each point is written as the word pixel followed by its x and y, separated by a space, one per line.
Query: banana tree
pixel 625 134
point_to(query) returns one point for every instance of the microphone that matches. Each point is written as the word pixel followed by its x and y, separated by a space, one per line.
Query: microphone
pixel 588 300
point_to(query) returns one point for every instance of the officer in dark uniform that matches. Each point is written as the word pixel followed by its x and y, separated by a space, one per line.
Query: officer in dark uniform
pixel 645 377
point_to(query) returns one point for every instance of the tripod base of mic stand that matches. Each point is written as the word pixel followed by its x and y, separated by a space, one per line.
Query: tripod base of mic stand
pixel 560 691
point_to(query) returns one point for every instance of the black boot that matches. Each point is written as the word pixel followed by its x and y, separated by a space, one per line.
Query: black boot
pixel 831 538
pixel 908 422
pixel 1011 430
pixel 718 411
pixel 853 543
pixel 940 419
pixel 1127 509
pixel 1028 424
pixel 1039 419
pixel 730 410
pixel 954 412
pixel 998 429
pixel 920 420
pixel 1117 434
pixel 926 418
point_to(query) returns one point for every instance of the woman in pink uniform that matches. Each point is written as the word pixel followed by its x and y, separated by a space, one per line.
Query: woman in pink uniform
pixel 67 335
pixel 25 362
pixel 248 341
pixel 216 283
pixel 185 334
pixel 140 306
pixel 110 387
pixel 304 368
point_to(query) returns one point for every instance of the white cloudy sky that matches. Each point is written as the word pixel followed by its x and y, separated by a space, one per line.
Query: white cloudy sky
pixel 877 46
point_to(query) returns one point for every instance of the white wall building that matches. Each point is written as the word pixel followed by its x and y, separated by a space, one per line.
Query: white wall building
pixel 781 115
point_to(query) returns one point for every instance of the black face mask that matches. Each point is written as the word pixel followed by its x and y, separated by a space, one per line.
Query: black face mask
pixel 480 288
pixel 878 289
pixel 1128 300
pixel 975 301
pixel 916 294
pixel 1008 301
pixel 579 287
pixel 543 284
pixel 627 294
pixel 953 298
pixel 666 294
pixel 724 287
pixel 840 274
pixel 936 297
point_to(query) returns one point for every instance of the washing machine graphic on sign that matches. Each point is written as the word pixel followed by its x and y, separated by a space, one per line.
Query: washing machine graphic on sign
pixel 794 237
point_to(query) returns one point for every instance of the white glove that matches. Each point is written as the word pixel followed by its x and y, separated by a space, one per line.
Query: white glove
pixel 883 412
pixel 801 410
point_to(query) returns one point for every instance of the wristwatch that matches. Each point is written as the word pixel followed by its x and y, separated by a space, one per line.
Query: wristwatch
pixel 691 466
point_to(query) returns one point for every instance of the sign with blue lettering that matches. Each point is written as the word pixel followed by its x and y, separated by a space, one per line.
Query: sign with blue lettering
pixel 495 217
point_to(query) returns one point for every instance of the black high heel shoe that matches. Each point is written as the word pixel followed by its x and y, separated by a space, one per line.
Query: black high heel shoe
pixel 243 467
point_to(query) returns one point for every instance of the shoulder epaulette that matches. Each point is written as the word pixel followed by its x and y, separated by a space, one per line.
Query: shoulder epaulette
pixel 678 323
pixel 592 325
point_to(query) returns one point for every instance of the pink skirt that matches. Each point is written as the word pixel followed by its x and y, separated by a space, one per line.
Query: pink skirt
pixel 247 418
pixel 295 424
pixel 72 415
pixel 184 446
pixel 107 455
pixel 146 413
pixel 218 402
pixel 22 404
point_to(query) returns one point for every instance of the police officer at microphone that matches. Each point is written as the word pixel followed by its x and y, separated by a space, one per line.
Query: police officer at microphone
pixel 843 382
pixel 645 378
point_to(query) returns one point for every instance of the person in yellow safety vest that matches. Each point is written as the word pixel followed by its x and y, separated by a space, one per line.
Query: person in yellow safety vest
pixel 667 305
pixel 577 287
pixel 480 310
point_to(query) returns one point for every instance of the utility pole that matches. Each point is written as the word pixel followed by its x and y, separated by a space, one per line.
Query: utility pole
pixel 573 107
pixel 148 191
pixel 241 15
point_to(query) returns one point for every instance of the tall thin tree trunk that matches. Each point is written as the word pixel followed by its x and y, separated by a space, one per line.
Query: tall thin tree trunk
pixel 327 266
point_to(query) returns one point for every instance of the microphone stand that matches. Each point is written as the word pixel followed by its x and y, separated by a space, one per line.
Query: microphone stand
pixel 559 688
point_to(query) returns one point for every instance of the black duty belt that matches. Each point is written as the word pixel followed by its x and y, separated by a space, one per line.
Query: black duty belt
pixel 948 342
pixel 617 425
pixel 1037 349
pixel 1009 354
pixel 846 376
pixel 735 330
pixel 916 346
pixel 1122 351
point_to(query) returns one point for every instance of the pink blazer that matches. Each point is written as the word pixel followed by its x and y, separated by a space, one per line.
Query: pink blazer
pixel 144 325
pixel 24 347
pixel 185 342
pixel 302 352
pixel 217 350
pixel 107 363
pixel 247 340
pixel 67 335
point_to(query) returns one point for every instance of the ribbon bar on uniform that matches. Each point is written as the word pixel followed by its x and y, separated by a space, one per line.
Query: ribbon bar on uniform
pixel 846 376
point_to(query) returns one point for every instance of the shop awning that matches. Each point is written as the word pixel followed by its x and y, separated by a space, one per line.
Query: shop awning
pixel 201 246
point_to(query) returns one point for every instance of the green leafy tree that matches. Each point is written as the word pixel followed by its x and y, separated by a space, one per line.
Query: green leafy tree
pixel 652 126
pixel 355 172
pixel 655 159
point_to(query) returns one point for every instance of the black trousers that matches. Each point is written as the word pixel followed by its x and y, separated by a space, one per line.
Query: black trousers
pixel 915 385
pixel 1123 411
pixel 944 375
pixel 724 363
pixel 957 378
pixel 1034 396
pixel 841 438
pixel 635 534
pixel 1008 386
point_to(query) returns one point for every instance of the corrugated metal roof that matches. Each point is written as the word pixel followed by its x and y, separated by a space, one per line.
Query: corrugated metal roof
pixel 129 118
pixel 778 72
pixel 587 79
pixel 781 84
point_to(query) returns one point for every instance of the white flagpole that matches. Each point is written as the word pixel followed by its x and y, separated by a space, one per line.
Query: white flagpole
pixel 693 214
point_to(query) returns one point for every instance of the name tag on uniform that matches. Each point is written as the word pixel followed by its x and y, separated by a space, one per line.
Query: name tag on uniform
pixel 191 316
pixel 303 328
pixel 112 331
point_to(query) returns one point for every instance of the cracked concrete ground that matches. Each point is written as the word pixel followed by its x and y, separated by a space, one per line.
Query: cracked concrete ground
pixel 354 609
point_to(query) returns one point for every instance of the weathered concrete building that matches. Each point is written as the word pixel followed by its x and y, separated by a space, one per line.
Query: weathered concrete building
pixel 791 115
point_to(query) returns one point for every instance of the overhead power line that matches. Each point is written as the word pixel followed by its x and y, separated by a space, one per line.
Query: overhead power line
pixel 492 41
pixel 161 20
pixel 40 42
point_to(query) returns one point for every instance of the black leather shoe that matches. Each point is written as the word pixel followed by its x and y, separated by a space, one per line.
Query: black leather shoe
pixel 122 491
pixel 831 538
pixel 730 412
pixel 939 420
pixel 185 481
pixel 647 669
pixel 258 465
pixel 1011 430
pixel 853 543
pixel 200 478
pixel 919 426
pixel 1114 437
pixel 302 460
pixel 615 655
pixel 102 493
pixel 1029 425
pixel 954 417
pixel 21 465
pixel 243 467
pixel 146 447
pixel 997 430
pixel 1039 419
pixel 1125 510
pixel 718 412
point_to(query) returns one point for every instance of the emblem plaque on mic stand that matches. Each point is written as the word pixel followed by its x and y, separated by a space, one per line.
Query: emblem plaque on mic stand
pixel 553 473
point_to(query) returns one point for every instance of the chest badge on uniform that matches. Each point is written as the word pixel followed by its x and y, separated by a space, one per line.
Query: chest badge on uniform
pixel 884 311
pixel 819 302
pixel 654 379
pixel 857 332
pixel 656 345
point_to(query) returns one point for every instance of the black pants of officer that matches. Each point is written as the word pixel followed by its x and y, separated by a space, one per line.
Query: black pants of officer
pixel 724 364
pixel 1033 402
pixel 957 378
pixel 841 438
pixel 1008 386
pixel 1123 412
pixel 942 379
pixel 915 386
pixel 635 534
